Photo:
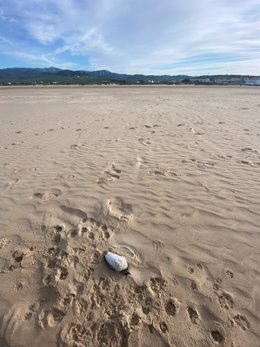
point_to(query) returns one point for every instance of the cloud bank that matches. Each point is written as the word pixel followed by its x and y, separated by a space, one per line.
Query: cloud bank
pixel 133 36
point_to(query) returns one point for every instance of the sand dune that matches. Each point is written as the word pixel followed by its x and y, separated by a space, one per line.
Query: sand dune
pixel 169 177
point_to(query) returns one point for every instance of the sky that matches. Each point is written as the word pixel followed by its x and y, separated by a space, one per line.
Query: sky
pixel 132 36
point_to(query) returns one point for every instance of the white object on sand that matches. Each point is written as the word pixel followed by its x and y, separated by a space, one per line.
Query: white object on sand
pixel 116 262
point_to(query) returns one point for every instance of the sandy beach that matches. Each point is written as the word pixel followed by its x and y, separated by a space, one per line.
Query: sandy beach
pixel 168 177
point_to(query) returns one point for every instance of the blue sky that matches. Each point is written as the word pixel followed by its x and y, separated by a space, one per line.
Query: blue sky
pixel 132 36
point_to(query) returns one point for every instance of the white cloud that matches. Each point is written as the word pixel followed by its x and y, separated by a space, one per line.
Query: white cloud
pixel 6 41
pixel 41 60
pixel 145 36
pixel 9 19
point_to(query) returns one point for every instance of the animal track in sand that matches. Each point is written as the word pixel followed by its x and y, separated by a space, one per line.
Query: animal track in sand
pixel 22 255
pixel 217 336
pixel 55 266
pixel 170 307
pixel 32 310
pixel 229 274
pixel 193 285
pixel 57 262
pixel 193 315
pixel 164 327
pixel 28 315
pixel 190 269
pixel 18 286
pixel 157 285
pixel 70 295
pixel 4 242
pixel 242 322
pixel 215 287
pixel 225 300
pixel 135 319
pixel 158 245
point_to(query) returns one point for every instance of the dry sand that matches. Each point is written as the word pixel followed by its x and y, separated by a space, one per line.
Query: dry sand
pixel 169 177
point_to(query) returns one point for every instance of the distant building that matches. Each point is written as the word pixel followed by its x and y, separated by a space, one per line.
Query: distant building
pixel 255 81
pixel 220 81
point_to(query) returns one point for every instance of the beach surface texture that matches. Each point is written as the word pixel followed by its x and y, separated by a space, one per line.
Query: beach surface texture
pixel 168 178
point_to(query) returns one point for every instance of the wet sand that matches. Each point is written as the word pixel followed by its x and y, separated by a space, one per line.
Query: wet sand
pixel 169 177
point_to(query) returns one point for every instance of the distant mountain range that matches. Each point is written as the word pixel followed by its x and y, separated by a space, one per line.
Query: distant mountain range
pixel 52 75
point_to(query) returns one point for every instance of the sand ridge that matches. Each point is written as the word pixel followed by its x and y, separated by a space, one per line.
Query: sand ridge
pixel 167 177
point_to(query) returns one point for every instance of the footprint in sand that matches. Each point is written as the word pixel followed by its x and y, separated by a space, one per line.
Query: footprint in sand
pixel 112 173
pixel 246 162
pixel 47 194
pixel 77 146
pixel 138 162
pixel 144 141
pixel 246 149
pixel 65 177
pixel 196 132
pixel 161 172
pixel 117 208
pixel 50 318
